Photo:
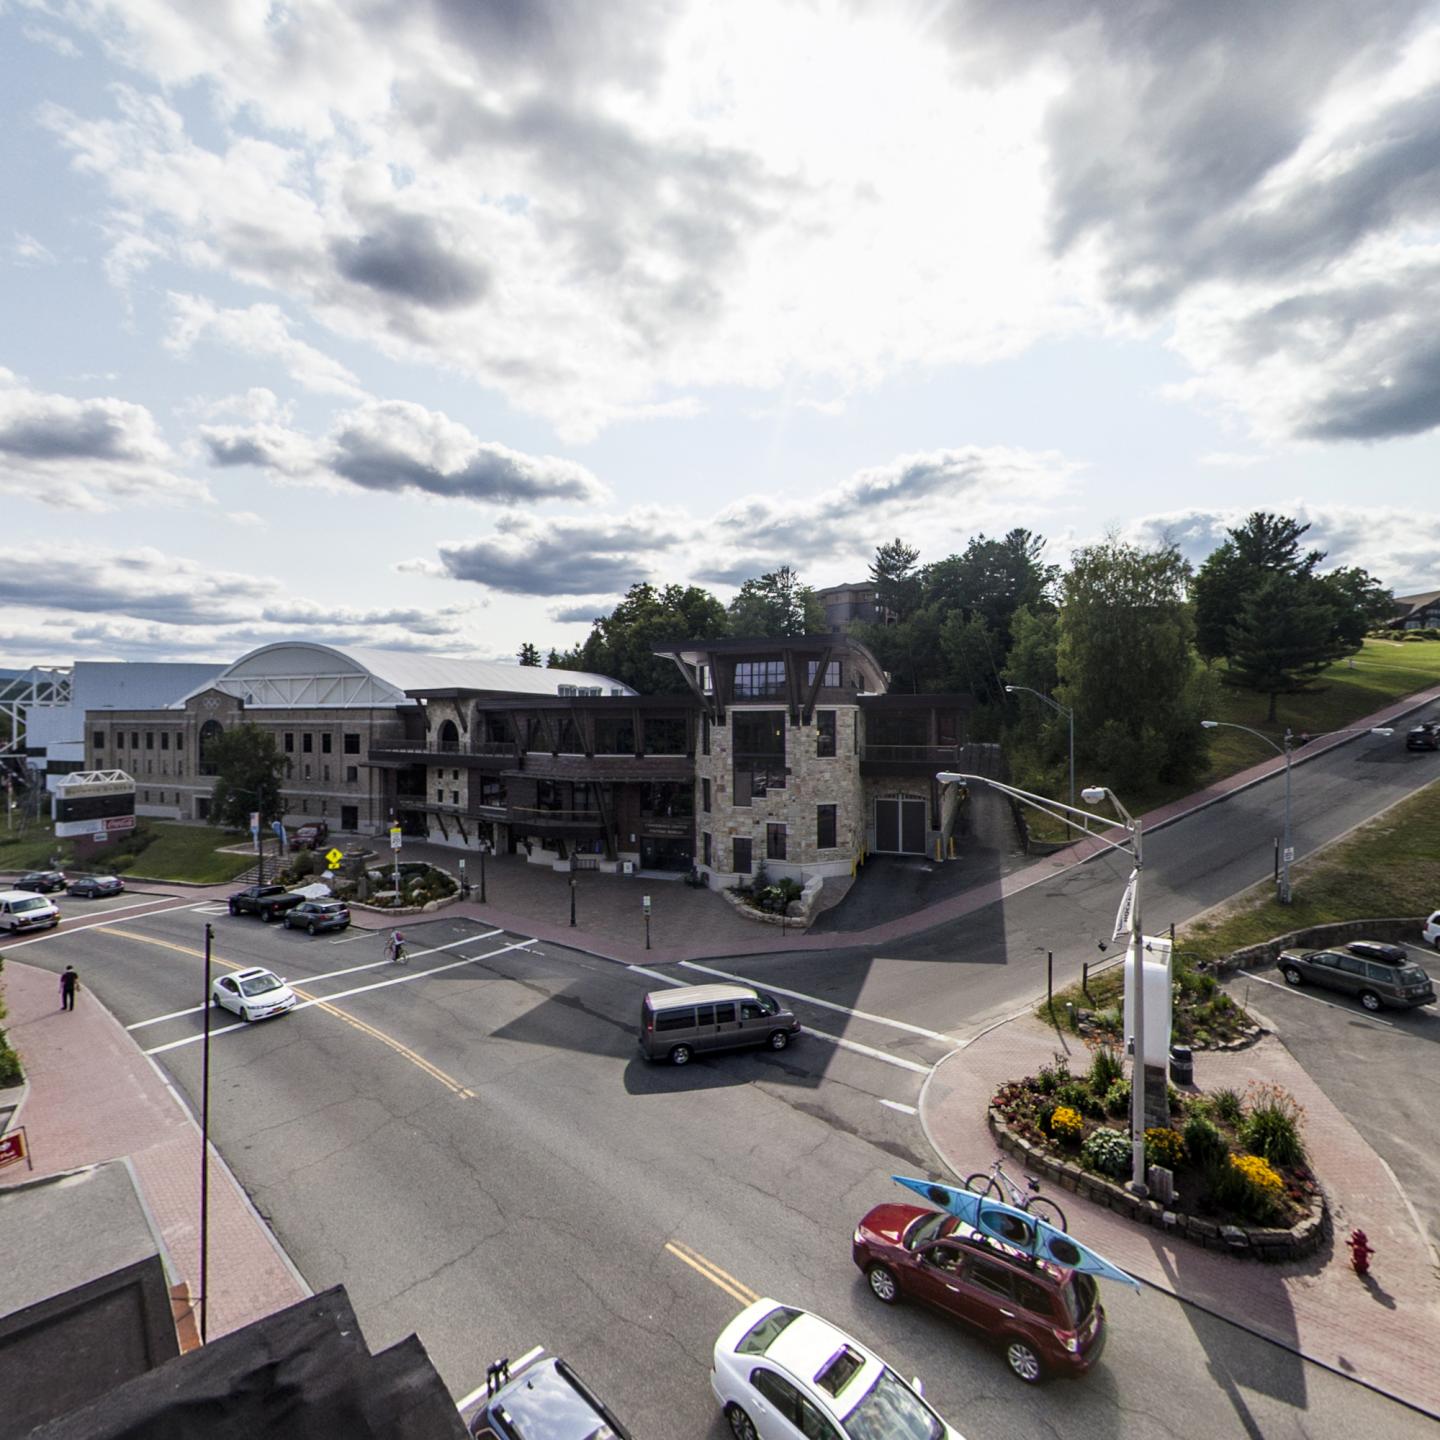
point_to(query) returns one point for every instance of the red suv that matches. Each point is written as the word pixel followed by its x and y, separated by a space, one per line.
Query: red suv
pixel 1048 1320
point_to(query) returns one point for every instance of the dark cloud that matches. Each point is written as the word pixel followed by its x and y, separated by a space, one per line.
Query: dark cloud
pixel 737 572
pixel 579 614
pixel 1406 402
pixel 567 557
pixel 227 449
pixel 402 256
pixel 89 433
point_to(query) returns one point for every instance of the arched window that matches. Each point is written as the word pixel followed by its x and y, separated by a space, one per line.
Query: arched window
pixel 448 738
pixel 210 732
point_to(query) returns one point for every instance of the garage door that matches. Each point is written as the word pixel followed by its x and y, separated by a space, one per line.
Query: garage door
pixel 900 825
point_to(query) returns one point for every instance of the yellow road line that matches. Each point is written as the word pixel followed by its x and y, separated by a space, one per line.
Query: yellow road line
pixel 734 1288
pixel 419 1061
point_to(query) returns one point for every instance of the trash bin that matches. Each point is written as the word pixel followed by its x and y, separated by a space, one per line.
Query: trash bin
pixel 1182 1065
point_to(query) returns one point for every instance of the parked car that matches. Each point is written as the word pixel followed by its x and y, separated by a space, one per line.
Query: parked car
pixel 41 882
pixel 1431 932
pixel 94 887
pixel 1363 969
pixel 1425 736
pixel 317 915
pixel 1048 1320
pixel 266 901
pixel 22 910
pixel 309 836
pixel 779 1372
pixel 543 1400
pixel 253 994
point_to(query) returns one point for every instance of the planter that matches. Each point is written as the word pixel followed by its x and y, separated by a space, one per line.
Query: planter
pixel 1258 1242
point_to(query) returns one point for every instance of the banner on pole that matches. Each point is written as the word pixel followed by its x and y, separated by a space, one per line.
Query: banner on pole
pixel 1127 908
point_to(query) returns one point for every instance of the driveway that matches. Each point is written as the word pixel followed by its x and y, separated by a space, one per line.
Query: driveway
pixel 1381 1071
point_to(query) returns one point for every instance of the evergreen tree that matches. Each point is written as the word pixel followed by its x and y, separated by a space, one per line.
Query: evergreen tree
pixel 249 771
pixel 529 654
pixel 896 578
pixel 777 606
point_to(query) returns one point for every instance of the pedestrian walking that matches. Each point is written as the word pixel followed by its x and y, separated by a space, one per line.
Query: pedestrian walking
pixel 69 984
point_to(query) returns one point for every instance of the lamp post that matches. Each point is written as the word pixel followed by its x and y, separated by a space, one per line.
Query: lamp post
pixel 1069 715
pixel 1283 891
pixel 205 1149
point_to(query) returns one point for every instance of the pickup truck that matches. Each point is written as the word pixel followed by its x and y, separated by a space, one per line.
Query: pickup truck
pixel 269 902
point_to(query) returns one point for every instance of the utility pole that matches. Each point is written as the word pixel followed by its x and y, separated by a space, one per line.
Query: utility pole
pixel 205 1149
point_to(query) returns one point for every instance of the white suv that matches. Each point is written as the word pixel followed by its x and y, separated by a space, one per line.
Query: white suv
pixel 1431 932
pixel 21 910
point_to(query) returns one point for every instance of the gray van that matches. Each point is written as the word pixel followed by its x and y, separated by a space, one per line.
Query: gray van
pixel 676 1024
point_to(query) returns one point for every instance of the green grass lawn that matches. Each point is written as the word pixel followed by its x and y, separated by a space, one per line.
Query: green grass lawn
pixel 171 852
pixel 1390 867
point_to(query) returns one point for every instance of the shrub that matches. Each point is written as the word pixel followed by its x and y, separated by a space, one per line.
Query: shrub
pixel 1205 1144
pixel 1229 1105
pixel 1117 1098
pixel 1271 1126
pixel 1079 1096
pixel 1066 1123
pixel 1108 1151
pixel 1052 1076
pixel 303 863
pixel 1106 1068
pixel 1163 1147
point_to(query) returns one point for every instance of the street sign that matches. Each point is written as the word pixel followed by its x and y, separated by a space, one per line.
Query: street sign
pixel 13 1149
pixel 1289 854
pixel 334 857
pixel 254 819
pixel 647 904
pixel 394 837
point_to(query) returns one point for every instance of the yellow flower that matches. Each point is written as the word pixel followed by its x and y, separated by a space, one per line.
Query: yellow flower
pixel 1066 1123
pixel 1259 1172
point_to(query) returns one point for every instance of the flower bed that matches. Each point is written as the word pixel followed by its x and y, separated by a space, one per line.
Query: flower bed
pixel 1241 1180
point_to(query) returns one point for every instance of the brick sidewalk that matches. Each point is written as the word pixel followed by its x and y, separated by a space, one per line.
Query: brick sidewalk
pixel 1383 1333
pixel 93 1096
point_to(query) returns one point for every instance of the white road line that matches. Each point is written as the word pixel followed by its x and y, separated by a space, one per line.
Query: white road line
pixel 903 1109
pixel 1329 1004
pixel 516 1366
pixel 868 1051
pixel 356 990
pixel 825 1004
pixel 160 1019
pixel 656 975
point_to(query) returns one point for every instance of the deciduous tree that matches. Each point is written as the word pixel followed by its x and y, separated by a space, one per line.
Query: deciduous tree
pixel 249 772
pixel 776 606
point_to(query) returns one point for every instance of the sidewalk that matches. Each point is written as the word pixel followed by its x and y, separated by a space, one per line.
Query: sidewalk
pixel 93 1096
pixel 1383 1333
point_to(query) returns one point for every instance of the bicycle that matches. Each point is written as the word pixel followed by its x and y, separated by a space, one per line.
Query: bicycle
pixel 395 949
pixel 988 1182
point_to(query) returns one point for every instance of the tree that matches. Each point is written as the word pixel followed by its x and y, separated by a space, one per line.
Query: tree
pixel 1033 641
pixel 1127 660
pixel 776 606
pixel 529 654
pixel 623 643
pixel 896 578
pixel 249 771
pixel 1285 634
pixel 1361 604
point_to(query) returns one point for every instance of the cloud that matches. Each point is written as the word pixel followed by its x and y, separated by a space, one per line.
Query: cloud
pixel 25 249
pixel 584 614
pixel 403 257
pixel 397 447
pixel 563 556
pixel 84 454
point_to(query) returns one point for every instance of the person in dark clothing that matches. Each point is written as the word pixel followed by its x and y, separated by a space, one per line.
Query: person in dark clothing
pixel 69 984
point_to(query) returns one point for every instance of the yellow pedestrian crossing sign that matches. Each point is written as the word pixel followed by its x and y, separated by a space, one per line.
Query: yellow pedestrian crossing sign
pixel 334 856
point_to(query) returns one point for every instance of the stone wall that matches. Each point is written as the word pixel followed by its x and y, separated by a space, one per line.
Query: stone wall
pixel 1401 930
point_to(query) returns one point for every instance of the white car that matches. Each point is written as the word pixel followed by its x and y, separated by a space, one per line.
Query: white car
pixel 783 1374
pixel 253 994
pixel 1431 932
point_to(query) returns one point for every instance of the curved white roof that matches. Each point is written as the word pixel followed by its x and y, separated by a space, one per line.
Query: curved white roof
pixel 303 675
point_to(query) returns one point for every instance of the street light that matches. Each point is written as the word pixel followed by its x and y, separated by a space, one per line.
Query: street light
pixel 1283 891
pixel 1069 716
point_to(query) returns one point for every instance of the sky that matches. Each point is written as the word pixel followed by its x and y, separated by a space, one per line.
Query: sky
pixel 437 324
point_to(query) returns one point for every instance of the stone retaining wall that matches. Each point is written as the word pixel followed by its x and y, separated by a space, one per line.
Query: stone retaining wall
pixel 1255 1242
pixel 1404 929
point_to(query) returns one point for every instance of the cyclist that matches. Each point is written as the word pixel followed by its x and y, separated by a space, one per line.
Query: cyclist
pixel 395 948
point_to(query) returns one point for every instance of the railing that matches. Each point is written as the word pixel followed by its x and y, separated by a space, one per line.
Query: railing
pixel 924 754
pixel 522 813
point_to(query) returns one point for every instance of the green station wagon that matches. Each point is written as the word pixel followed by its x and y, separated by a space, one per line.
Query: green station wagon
pixel 1376 974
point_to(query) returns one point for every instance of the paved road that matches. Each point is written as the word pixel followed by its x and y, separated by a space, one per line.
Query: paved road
pixel 479 1155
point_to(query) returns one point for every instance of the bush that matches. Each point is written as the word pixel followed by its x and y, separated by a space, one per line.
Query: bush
pixel 1271 1127
pixel 1164 1147
pixel 1108 1151
pixel 1117 1098
pixel 1229 1105
pixel 1066 1123
pixel 1205 1144
pixel 303 864
pixel 1078 1095
pixel 1051 1077
pixel 1106 1068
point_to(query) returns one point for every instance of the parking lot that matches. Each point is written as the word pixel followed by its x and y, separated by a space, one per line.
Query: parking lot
pixel 1380 1070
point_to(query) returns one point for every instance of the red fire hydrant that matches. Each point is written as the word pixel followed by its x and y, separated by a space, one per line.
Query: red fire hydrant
pixel 1360 1252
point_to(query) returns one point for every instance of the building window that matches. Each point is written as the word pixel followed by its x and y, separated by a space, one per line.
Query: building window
pixel 439 797
pixel 741 855
pixel 825 827
pixel 705 795
pixel 134 739
pixel 307 743
pixel 99 739
pixel 759 747
pixel 149 767
pixel 832 673
pixel 824 732
pixel 325 772
pixel 180 741
pixel 289 742
pixel 164 739
pixel 664 735
pixel 706 847
pixel 352 743
pixel 325 743
pixel 352 774
pixel 707 686
pixel 759 679
pixel 210 732
pixel 704 734
pixel 149 739
pixel 454 797
pixel 774 841
pixel 146 794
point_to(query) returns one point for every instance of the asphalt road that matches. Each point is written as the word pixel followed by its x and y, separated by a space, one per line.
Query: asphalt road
pixel 473 1147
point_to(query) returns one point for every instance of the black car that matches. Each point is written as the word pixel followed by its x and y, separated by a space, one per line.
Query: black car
pixel 94 887
pixel 42 882
pixel 1424 737
pixel 1366 969
pixel 544 1400
pixel 315 915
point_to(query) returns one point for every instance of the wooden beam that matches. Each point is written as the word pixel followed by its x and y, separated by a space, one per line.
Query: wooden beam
pixel 812 691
